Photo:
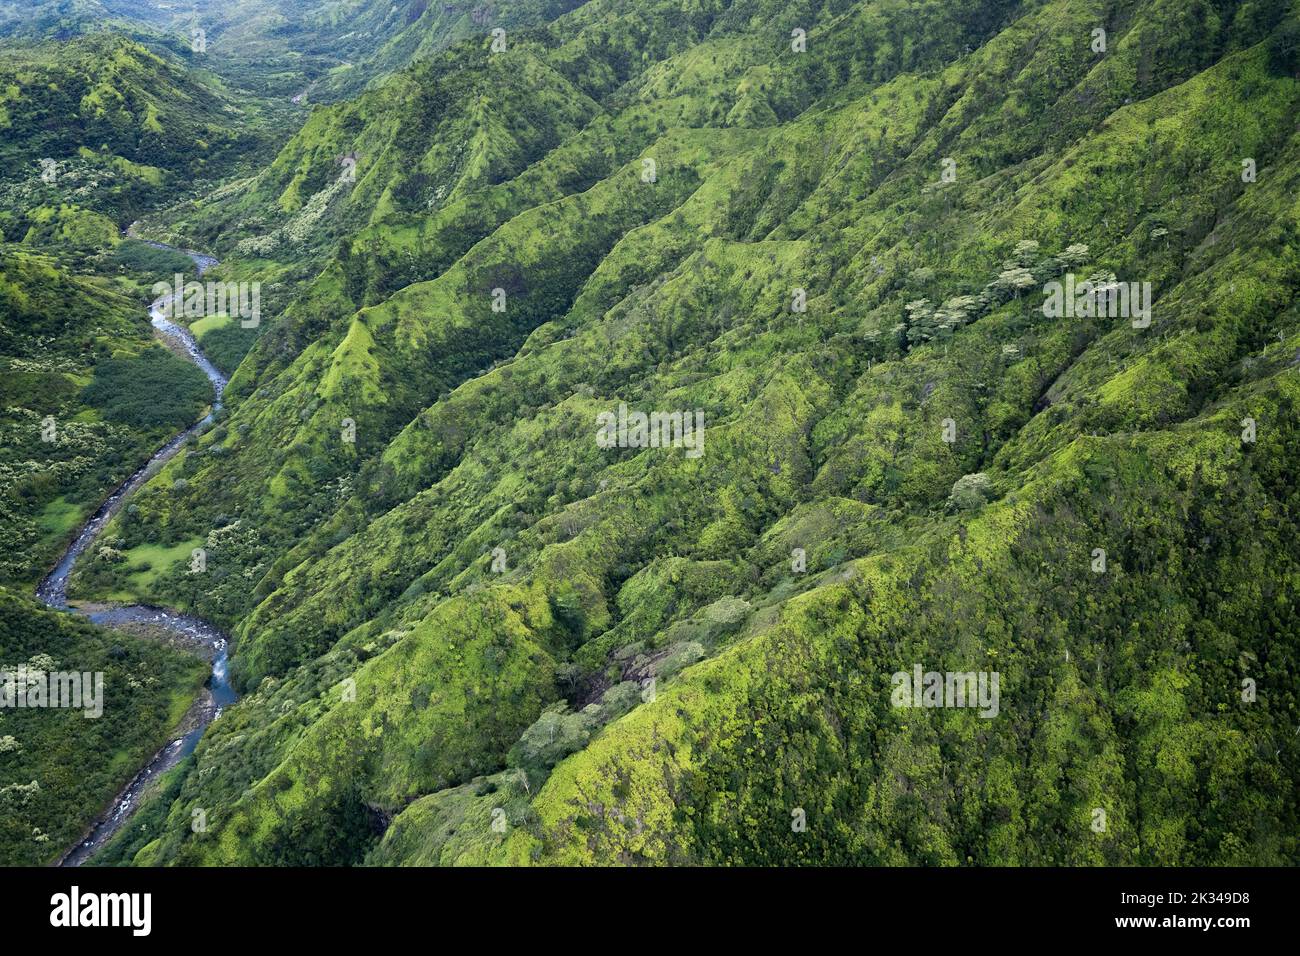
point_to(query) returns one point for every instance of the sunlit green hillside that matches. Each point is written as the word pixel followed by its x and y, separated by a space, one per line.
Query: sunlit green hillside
pixel 467 632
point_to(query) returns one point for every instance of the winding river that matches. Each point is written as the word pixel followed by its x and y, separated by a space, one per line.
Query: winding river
pixel 192 631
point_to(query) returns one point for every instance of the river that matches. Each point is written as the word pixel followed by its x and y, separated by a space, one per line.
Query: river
pixel 193 631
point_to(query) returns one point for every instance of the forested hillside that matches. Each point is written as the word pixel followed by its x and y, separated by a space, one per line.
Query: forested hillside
pixel 98 129
pixel 57 768
pixel 467 632
pixel 306 51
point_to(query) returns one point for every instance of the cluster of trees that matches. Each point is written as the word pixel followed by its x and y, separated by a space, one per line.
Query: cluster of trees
pixel 1019 275
pixel 151 390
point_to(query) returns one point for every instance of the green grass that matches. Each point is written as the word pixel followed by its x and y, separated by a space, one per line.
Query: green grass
pixel 207 324
pixel 147 562
pixel 59 517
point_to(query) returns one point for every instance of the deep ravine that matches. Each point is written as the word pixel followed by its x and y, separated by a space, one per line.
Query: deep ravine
pixel 192 630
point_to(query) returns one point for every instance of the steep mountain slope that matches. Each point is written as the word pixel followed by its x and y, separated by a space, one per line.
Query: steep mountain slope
pixel 100 123
pixel 471 633
pixel 429 29
pixel 293 48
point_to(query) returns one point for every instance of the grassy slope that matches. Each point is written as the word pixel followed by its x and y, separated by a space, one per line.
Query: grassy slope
pixel 1121 691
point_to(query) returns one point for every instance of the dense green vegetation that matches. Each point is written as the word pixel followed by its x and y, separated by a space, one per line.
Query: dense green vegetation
pixel 148 390
pixel 502 715
pixel 85 398
pixel 467 633
pixel 307 51
pixel 126 128
pixel 158 265
pixel 58 768
pixel 63 19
